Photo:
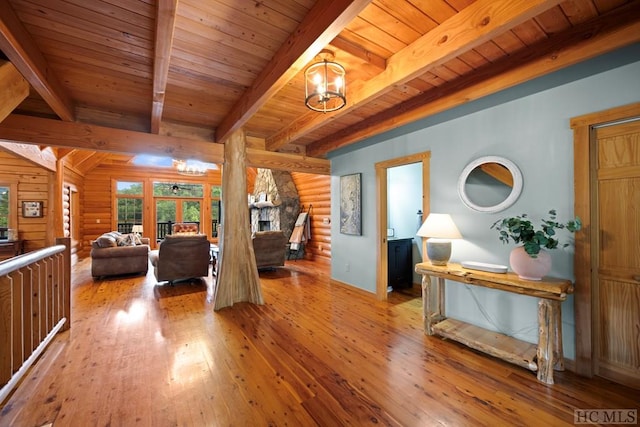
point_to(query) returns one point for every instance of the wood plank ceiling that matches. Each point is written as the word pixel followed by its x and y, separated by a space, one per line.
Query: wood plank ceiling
pixel 186 73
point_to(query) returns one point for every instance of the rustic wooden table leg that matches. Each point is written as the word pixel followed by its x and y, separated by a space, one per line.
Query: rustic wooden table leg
pixel 430 315
pixel 547 341
pixel 558 352
pixel 426 304
pixel 440 296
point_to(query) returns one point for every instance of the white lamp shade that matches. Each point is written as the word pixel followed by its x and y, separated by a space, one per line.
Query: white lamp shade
pixel 136 229
pixel 440 226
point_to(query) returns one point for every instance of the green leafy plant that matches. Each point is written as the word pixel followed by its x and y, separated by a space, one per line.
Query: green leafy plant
pixel 521 230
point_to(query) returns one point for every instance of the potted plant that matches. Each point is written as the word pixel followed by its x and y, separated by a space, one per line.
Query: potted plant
pixel 529 260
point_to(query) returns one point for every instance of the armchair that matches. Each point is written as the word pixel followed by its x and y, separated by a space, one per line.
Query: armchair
pixel 270 248
pixel 181 257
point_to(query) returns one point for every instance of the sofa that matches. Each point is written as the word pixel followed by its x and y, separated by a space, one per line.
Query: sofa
pixel 181 256
pixel 270 248
pixel 115 254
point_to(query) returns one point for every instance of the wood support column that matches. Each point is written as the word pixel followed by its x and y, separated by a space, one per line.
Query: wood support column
pixel 237 279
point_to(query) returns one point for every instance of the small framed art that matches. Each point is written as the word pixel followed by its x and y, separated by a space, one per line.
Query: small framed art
pixel 32 209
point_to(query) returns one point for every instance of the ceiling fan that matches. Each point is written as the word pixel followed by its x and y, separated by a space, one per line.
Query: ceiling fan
pixel 175 188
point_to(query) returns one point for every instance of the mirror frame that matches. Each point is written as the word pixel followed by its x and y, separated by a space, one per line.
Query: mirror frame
pixel 510 200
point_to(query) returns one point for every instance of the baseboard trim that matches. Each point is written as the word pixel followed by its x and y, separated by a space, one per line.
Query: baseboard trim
pixel 334 282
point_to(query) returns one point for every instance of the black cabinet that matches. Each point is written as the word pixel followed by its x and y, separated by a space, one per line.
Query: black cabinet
pixel 400 263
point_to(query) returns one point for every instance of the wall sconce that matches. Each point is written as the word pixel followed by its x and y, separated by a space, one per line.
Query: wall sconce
pixel 439 228
pixel 325 84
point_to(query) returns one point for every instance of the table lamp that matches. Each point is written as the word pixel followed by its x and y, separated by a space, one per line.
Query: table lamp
pixel 137 229
pixel 439 229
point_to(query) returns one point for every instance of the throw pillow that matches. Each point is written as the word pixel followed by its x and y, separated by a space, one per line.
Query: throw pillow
pixel 106 241
pixel 136 239
pixel 126 240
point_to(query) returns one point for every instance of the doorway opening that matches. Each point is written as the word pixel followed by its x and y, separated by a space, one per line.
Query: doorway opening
pixel 382 195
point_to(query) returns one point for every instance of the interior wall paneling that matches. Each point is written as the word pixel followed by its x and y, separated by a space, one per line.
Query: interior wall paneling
pixel 315 190
pixel 33 184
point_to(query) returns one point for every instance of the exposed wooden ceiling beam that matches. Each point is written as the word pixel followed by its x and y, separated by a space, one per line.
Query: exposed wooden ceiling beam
pixel 92 162
pixel 474 25
pixel 13 88
pixel 19 47
pixel 322 24
pixel 61 153
pixel 359 52
pixel 31 153
pixel 165 26
pixel 39 131
pixel 610 32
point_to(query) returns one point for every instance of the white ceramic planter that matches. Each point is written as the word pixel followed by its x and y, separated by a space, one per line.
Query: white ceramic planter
pixel 529 268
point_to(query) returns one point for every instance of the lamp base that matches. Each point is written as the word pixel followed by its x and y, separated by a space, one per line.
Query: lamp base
pixel 439 251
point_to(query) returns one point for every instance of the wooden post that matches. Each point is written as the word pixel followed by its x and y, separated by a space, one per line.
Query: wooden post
pixel 546 339
pixel 237 279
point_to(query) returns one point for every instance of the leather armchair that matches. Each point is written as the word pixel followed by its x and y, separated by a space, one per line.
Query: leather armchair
pixel 270 248
pixel 181 257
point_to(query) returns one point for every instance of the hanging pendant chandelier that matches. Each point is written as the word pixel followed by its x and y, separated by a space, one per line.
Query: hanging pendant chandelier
pixel 325 84
pixel 189 168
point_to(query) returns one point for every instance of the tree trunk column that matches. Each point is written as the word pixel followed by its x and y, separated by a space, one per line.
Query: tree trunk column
pixel 237 279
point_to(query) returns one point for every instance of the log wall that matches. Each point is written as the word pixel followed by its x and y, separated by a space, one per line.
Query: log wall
pixel 75 179
pixel 33 185
pixel 316 190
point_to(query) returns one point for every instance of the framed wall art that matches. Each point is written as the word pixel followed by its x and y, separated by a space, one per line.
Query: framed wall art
pixel 32 209
pixel 350 204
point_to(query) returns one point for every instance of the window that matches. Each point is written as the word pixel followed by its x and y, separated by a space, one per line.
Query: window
pixel 129 203
pixel 5 191
pixel 216 209
pixel 8 211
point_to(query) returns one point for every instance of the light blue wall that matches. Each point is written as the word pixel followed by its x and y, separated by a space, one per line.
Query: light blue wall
pixel 528 125
pixel 404 197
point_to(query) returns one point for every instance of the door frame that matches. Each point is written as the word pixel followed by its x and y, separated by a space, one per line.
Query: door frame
pixel 179 210
pixel 381 211
pixel 585 206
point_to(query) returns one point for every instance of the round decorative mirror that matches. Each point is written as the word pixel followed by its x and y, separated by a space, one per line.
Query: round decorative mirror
pixel 490 184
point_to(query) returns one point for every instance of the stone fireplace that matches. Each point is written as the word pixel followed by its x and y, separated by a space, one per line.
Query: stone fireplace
pixel 277 204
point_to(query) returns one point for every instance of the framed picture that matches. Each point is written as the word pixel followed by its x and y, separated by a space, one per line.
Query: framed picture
pixel 350 204
pixel 32 209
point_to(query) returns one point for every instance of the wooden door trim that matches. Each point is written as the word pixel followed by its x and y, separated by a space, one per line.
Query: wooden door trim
pixel 584 157
pixel 381 211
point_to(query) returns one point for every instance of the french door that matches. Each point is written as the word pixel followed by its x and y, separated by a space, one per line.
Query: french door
pixel 168 211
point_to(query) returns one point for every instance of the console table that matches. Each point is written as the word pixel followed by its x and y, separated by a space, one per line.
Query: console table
pixel 11 247
pixel 544 357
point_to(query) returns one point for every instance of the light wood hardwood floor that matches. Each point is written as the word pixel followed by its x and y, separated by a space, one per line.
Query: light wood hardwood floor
pixel 315 354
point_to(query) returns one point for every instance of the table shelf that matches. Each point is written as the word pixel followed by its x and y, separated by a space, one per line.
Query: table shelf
pixel 507 348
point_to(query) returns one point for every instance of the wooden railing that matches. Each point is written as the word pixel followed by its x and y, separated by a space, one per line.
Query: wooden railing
pixel 164 228
pixel 35 304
